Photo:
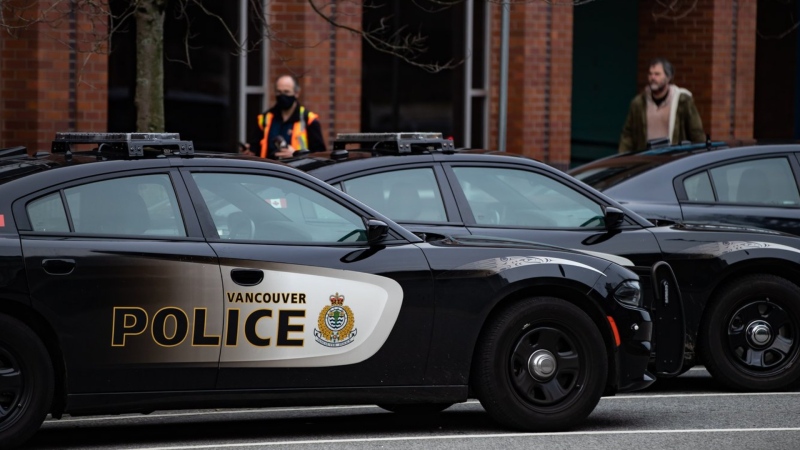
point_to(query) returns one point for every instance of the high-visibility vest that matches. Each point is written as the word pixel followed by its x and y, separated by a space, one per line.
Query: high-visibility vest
pixel 299 133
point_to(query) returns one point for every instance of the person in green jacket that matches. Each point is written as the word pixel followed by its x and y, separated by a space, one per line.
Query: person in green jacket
pixel 662 111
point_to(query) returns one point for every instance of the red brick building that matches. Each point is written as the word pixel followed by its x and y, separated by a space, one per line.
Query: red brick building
pixel 572 73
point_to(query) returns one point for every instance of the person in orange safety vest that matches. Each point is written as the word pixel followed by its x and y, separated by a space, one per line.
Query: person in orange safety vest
pixel 287 126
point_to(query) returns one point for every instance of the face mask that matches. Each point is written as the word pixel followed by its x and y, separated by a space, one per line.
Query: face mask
pixel 285 101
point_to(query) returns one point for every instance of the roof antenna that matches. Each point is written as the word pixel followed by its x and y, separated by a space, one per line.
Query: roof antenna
pixel 708 141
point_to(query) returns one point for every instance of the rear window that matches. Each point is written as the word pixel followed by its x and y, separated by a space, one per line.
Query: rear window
pixel 605 174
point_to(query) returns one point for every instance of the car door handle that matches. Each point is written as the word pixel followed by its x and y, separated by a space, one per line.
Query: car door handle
pixel 58 266
pixel 247 277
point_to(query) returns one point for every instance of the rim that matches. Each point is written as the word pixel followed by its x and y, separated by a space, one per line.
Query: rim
pixel 545 366
pixel 762 336
pixel 12 387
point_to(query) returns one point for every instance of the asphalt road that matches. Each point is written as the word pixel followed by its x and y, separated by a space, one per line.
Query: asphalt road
pixel 689 412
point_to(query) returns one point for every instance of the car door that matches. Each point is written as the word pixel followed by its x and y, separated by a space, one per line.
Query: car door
pixel 519 202
pixel 119 268
pixel 761 192
pixel 308 301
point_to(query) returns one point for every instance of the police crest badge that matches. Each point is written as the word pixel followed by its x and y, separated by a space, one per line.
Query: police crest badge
pixel 335 325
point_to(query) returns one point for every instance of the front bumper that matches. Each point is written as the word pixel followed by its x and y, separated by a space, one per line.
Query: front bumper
pixel 635 330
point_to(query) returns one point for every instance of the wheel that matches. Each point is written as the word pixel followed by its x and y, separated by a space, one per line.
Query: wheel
pixel 416 409
pixel 750 334
pixel 540 365
pixel 26 382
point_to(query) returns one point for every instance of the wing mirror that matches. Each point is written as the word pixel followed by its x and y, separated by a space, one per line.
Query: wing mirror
pixel 614 217
pixel 376 230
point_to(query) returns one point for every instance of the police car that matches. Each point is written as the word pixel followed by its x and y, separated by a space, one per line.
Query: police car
pixel 137 275
pixel 739 285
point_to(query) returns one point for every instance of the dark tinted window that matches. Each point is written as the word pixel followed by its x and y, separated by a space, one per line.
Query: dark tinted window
pixel 764 182
pixel 604 174
pixel 698 188
pixel 142 205
pixel 47 214
pixel 509 197
pixel 257 207
pixel 404 195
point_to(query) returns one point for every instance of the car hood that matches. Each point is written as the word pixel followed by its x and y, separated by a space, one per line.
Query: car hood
pixel 495 242
pixel 726 228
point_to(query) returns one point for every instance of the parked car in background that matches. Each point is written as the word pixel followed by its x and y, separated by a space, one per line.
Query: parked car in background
pixel 139 275
pixel 739 286
pixel 753 185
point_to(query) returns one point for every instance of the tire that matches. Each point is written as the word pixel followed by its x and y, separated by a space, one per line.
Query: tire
pixel 413 409
pixel 750 334
pixel 27 392
pixel 551 330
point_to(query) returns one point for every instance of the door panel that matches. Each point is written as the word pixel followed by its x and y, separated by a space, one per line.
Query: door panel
pixel 131 315
pixel 308 302
pixel 135 304
pixel 284 337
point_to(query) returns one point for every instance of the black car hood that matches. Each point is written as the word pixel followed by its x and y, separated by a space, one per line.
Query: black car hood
pixel 727 228
pixel 496 242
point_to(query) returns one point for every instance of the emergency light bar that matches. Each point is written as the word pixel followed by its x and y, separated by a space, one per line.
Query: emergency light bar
pixel 131 143
pixel 396 142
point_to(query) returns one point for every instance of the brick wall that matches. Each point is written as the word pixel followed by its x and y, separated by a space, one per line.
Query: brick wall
pixel 539 81
pixel 327 60
pixel 47 86
pixel 713 51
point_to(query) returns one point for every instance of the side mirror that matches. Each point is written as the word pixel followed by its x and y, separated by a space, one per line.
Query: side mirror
pixel 376 230
pixel 614 217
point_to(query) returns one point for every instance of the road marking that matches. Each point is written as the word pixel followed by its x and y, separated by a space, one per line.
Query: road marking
pixel 710 394
pixel 339 408
pixel 466 436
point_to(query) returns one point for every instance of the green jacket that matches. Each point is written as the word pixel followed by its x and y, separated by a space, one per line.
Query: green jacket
pixel 687 123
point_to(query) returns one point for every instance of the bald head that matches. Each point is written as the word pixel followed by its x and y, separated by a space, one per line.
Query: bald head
pixel 287 85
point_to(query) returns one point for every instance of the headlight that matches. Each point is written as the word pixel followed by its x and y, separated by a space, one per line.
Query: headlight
pixel 629 293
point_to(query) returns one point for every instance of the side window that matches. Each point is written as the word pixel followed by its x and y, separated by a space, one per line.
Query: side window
pixel 510 197
pixel 403 195
pixel 141 205
pixel 256 207
pixel 698 188
pixel 760 182
pixel 47 214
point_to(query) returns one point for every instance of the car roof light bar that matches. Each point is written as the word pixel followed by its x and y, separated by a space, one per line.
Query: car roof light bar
pixel 133 144
pixel 394 142
pixel 13 152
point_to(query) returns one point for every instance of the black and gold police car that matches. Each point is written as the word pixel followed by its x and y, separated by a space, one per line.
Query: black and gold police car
pixel 739 285
pixel 137 275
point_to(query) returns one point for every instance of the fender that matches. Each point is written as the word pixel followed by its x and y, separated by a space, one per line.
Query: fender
pixel 475 289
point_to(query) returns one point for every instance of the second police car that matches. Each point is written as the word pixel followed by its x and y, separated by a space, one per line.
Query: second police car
pixel 130 283
pixel 739 285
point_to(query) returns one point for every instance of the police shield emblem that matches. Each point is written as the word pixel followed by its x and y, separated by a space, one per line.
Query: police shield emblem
pixel 335 324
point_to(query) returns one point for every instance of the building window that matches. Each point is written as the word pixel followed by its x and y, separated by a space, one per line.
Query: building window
pixel 215 100
pixel 397 96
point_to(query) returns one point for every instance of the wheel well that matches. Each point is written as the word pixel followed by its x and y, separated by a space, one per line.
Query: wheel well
pixel 42 329
pixel 773 267
pixel 575 297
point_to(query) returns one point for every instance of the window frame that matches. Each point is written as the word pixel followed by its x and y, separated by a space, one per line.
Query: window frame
pixel 187 214
pixel 209 227
pixel 683 198
pixel 430 169
pixel 451 207
pixel 560 177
